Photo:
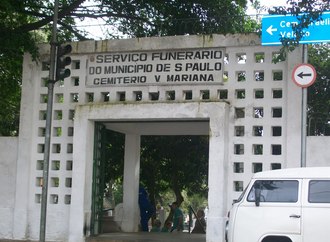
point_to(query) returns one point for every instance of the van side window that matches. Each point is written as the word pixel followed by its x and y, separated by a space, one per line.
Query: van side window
pixel 319 191
pixel 276 191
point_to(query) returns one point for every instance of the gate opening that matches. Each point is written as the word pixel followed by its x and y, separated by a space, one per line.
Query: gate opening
pixel 173 167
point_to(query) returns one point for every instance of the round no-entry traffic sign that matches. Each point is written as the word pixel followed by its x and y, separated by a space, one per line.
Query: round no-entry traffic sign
pixel 304 75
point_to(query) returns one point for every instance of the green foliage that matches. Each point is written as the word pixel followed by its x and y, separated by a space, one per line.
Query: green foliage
pixel 196 201
pixel 114 167
pixel 179 162
pixel 20 33
pixel 23 24
pixel 180 17
pixel 9 95
pixel 319 92
pixel 13 45
pixel 306 12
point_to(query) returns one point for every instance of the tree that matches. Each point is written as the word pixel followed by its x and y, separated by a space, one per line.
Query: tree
pixel 24 23
pixel 306 12
pixel 114 166
pixel 178 162
pixel 319 92
pixel 13 45
pixel 157 18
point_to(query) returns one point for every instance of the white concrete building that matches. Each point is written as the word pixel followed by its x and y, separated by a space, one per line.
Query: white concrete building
pixel 226 87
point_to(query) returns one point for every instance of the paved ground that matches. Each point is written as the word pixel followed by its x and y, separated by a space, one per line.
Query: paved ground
pixel 141 237
pixel 149 237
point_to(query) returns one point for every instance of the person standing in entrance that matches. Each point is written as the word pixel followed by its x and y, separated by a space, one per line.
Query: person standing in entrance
pixel 177 218
pixel 146 209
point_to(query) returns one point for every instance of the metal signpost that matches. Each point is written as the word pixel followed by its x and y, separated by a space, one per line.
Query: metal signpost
pixel 304 75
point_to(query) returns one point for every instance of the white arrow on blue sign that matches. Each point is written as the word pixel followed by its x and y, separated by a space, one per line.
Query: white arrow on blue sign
pixel 276 27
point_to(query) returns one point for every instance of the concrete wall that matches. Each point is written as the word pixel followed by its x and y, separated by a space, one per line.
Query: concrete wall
pixel 8 159
pixel 241 58
pixel 318 153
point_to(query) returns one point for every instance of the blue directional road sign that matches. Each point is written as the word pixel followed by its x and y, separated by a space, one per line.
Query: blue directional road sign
pixel 276 27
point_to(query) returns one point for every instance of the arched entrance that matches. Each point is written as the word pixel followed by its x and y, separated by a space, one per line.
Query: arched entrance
pixel 180 118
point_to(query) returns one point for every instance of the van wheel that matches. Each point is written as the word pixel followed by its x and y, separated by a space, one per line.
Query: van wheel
pixel 276 239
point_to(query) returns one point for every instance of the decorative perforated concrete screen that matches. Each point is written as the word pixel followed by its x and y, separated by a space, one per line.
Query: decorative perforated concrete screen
pixel 263 120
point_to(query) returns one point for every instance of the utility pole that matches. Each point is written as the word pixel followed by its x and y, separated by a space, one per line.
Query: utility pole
pixel 51 82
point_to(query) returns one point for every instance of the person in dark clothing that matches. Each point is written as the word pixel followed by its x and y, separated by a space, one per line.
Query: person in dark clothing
pixel 146 209
pixel 200 223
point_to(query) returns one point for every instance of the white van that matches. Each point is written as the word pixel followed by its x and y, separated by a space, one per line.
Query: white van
pixel 289 205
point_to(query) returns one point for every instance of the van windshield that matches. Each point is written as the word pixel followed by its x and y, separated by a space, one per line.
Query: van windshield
pixel 275 191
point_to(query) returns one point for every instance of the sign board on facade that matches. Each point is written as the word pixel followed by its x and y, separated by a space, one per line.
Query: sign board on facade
pixel 173 67
pixel 276 27
pixel 304 75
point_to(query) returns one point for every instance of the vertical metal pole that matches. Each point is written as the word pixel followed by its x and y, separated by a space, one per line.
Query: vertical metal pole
pixel 51 81
pixel 304 114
